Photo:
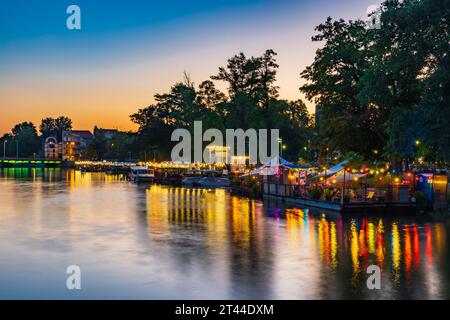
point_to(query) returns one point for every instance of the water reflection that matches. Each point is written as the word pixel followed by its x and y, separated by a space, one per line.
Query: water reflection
pixel 163 242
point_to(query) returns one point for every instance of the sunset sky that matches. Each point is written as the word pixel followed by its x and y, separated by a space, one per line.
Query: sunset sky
pixel 127 51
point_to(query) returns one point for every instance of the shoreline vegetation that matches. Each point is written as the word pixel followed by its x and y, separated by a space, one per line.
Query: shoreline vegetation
pixel 382 95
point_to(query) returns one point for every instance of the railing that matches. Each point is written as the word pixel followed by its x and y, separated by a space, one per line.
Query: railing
pixel 388 194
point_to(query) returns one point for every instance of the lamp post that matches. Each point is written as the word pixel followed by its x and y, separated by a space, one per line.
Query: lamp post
pixel 4 148
pixel 343 189
pixel 280 147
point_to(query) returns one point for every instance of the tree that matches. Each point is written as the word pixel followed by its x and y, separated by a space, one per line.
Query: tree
pixel 383 89
pixel 408 77
pixel 120 146
pixel 97 148
pixel 210 97
pixel 63 124
pixel 252 102
pixel 24 139
pixel 347 124
pixel 8 148
pixel 47 127
pixel 251 88
pixel 55 127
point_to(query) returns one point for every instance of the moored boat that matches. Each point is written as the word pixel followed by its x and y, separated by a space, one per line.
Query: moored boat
pixel 141 174
pixel 214 182
pixel 206 179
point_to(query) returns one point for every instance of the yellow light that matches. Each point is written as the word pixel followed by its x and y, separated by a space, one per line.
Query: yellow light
pixel 417 142
pixel 356 179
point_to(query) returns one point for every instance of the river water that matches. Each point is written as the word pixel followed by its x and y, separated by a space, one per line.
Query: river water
pixel 156 242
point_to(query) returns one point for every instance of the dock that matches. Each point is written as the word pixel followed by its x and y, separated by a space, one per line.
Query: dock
pixel 355 207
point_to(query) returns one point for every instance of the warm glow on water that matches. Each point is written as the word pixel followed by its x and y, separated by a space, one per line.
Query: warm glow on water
pixel 137 241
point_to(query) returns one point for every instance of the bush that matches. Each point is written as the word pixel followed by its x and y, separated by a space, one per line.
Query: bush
pixel 421 199
pixel 256 190
pixel 328 194
pixel 346 198
pixel 315 194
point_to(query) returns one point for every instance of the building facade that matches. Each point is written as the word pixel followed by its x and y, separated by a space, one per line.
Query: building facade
pixel 107 133
pixel 72 146
pixel 75 143
pixel 52 148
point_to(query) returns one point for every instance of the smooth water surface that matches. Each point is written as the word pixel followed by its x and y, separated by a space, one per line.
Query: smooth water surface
pixel 156 242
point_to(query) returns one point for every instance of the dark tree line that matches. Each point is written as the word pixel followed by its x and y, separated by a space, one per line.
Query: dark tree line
pixel 385 90
pixel 251 102
pixel 383 93
pixel 25 139
pixel 121 146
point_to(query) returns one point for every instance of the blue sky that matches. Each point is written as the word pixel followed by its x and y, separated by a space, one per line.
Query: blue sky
pixel 26 19
pixel 127 51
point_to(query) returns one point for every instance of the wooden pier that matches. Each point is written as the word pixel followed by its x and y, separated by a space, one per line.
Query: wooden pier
pixel 355 207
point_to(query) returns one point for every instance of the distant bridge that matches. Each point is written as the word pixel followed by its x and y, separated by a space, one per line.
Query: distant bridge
pixel 30 163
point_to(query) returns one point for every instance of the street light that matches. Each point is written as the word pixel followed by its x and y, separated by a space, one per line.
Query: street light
pixel 280 146
pixel 4 148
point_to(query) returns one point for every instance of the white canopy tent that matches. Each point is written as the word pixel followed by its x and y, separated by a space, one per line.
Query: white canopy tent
pixel 333 170
pixel 343 175
pixel 271 167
